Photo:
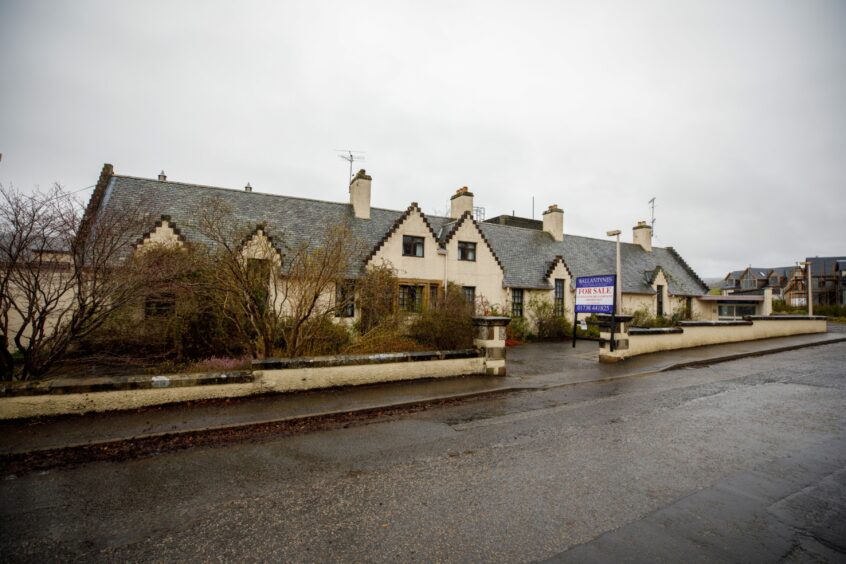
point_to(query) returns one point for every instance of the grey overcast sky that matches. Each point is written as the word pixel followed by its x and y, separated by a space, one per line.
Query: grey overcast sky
pixel 732 114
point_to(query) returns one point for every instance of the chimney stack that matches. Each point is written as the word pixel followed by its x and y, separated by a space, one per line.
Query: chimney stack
pixel 248 188
pixel 642 235
pixel 162 176
pixel 360 194
pixel 553 222
pixel 461 202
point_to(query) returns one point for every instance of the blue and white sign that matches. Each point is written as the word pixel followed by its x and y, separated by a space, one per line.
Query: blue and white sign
pixel 595 294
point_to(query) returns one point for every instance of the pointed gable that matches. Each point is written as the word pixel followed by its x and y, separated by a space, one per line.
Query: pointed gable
pixel 467 219
pixel 164 233
pixel 414 223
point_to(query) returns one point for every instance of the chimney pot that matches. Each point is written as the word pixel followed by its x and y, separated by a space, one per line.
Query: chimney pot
pixel 360 194
pixel 162 176
pixel 642 235
pixel 553 222
pixel 248 188
pixel 461 203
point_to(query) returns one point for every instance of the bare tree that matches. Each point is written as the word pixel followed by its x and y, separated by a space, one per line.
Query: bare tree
pixel 277 292
pixel 61 276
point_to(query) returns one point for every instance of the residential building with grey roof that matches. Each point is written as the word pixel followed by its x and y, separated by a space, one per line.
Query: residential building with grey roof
pixel 499 262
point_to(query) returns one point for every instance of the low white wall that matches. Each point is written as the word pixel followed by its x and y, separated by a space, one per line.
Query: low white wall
pixel 283 380
pixel 291 379
pixel 697 336
pixel 17 407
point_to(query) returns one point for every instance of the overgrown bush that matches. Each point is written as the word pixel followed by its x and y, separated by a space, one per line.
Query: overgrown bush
pixel 377 290
pixel 170 321
pixel 828 310
pixel 447 324
pixel 643 318
pixel 385 338
pixel 519 330
pixel 549 325
pixel 324 337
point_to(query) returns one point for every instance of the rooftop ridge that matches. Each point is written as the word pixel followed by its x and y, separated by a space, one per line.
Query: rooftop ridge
pixel 566 235
pixel 256 193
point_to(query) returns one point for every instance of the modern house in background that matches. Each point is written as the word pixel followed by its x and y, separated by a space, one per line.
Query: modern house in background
pixel 504 262
pixel 789 283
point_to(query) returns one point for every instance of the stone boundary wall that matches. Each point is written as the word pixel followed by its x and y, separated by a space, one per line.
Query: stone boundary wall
pixel 22 400
pixel 636 341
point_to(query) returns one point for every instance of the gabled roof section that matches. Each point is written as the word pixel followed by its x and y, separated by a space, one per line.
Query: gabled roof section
pixel 158 225
pixel 823 266
pixel 292 221
pixel 558 259
pixel 756 272
pixel 527 254
pixel 449 230
pixel 396 225
pixel 96 200
pixel 651 275
pixel 262 228
pixel 688 268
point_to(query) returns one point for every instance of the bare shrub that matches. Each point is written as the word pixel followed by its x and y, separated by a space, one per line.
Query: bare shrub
pixel 549 325
pixel 377 297
pixel 446 325
pixel 62 274
pixel 276 293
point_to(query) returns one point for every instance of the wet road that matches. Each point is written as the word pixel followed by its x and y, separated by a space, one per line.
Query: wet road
pixel 744 460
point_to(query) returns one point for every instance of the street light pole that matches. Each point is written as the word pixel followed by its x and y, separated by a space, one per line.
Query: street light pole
pixel 807 266
pixel 618 299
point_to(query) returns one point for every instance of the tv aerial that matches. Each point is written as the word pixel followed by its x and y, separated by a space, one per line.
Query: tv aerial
pixel 652 213
pixel 351 156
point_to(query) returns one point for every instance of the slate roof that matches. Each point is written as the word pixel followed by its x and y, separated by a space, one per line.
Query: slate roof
pixel 524 254
pixel 289 219
pixel 527 253
pixel 823 266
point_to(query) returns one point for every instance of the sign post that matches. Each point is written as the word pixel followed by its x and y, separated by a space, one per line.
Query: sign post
pixel 595 294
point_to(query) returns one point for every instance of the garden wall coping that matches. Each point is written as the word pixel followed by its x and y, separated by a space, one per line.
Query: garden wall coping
pixel 726 323
pixel 115 383
pixel 362 359
pixel 779 317
pixel 654 330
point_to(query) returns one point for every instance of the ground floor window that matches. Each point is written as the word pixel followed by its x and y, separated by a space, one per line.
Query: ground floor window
pixel 159 305
pixel 470 294
pixel 516 302
pixel 433 295
pixel 410 298
pixel 736 311
pixel 558 302
pixel 660 308
pixel 345 299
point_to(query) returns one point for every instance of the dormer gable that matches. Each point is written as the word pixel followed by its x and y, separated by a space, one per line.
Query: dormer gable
pixel 557 265
pixel 413 223
pixel 459 229
pixel 164 233
pixel 260 245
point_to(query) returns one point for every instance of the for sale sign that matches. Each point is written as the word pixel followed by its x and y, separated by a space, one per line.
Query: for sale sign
pixel 595 294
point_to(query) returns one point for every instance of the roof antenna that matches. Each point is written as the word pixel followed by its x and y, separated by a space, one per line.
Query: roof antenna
pixel 351 156
pixel 652 212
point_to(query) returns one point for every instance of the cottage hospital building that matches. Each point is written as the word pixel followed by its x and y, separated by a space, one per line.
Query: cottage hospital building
pixel 503 262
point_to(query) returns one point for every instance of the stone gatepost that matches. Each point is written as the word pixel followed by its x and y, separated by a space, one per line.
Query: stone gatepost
pixel 490 337
pixel 621 337
pixel 767 305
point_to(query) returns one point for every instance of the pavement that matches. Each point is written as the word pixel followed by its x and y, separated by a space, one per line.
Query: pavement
pixel 535 366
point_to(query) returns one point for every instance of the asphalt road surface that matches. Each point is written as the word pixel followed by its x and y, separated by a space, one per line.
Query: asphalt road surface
pixel 741 461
